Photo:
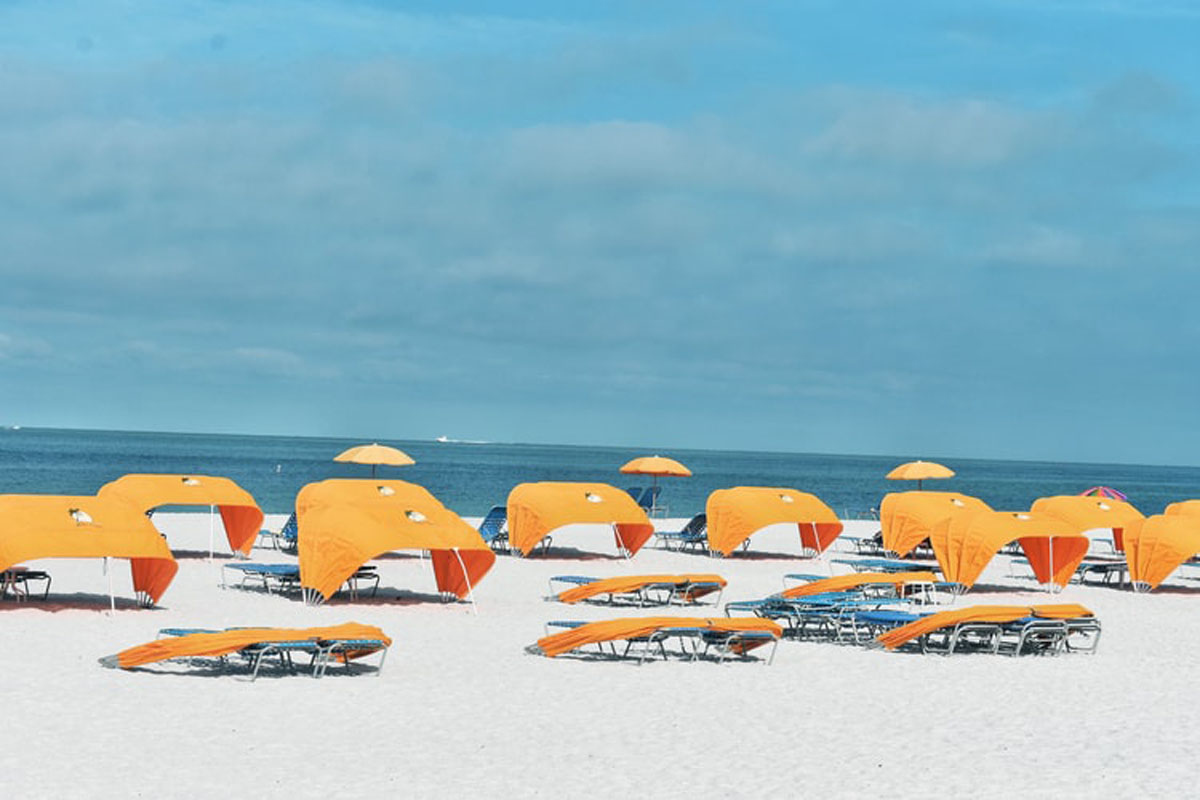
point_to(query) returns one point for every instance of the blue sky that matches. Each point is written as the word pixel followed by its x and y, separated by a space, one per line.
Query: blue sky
pixel 916 229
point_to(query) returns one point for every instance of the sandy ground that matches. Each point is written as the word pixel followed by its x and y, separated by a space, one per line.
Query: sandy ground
pixel 461 708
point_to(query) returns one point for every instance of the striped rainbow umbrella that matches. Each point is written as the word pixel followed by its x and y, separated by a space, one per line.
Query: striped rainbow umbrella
pixel 1104 491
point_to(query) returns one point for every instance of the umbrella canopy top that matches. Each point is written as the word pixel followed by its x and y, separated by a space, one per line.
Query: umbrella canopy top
pixel 1103 491
pixel 655 465
pixel 919 471
pixel 375 454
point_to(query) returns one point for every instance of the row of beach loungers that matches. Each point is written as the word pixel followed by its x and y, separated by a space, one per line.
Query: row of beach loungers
pixel 879 609
pixel 875 609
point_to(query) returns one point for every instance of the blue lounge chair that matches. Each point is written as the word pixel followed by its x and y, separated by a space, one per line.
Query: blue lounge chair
pixel 693 536
pixel 649 501
pixel 286 538
pixel 886 565
pixel 494 528
pixel 635 492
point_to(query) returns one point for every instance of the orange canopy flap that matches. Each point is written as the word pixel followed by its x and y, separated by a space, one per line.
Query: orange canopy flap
pixel 344 523
pixel 735 514
pixel 536 509
pixel 965 543
pixel 1088 512
pixel 944 619
pixel 224 642
pixel 631 583
pixel 1155 546
pixel 841 583
pixel 633 627
pixel 906 518
pixel 240 515
pixel 60 526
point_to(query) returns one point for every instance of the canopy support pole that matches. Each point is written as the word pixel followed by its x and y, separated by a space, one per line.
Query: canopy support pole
pixel 112 600
pixel 212 526
pixel 467 578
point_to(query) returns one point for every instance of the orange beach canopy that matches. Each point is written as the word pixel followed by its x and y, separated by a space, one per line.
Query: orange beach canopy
pixel 240 515
pixel 1089 512
pixel 906 518
pixel 61 526
pixel 536 509
pixel 965 543
pixel 735 514
pixel 344 523
pixel 1184 507
pixel 1155 546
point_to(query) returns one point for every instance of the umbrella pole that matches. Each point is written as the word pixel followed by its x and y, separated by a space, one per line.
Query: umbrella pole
pixel 112 600
pixel 467 578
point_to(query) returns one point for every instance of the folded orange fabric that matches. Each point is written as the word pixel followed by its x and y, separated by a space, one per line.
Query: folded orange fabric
pixel 634 627
pixel 225 642
pixel 944 619
pixel 631 583
pixel 840 583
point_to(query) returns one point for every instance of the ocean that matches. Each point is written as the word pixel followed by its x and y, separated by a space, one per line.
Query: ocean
pixel 472 477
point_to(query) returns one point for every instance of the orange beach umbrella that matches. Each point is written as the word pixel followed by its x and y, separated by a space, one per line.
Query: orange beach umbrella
pixel 655 466
pixel 919 471
pixel 375 454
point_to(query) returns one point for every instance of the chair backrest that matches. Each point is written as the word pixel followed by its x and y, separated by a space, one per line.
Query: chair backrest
pixel 650 497
pixel 493 524
pixel 635 492
pixel 697 524
pixel 290 531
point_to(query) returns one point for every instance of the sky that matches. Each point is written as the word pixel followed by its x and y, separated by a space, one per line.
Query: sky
pixel 922 229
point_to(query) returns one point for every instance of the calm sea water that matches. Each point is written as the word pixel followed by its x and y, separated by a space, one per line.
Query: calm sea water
pixel 470 478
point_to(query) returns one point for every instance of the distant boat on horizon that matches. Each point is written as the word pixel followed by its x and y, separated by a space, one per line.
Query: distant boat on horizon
pixel 448 440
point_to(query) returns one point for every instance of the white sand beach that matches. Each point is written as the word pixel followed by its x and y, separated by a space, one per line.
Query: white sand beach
pixel 461 708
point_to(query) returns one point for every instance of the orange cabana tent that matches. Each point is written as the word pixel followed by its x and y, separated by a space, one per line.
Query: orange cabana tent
pixel 736 514
pixel 906 518
pixel 1089 512
pixel 240 515
pixel 965 543
pixel 1189 508
pixel 1155 546
pixel 60 526
pixel 844 583
pixel 344 523
pixel 536 509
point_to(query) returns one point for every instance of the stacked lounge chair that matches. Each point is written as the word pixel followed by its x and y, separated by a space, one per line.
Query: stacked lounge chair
pixel 637 590
pixel 258 646
pixel 645 638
